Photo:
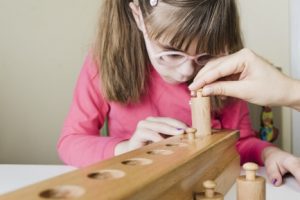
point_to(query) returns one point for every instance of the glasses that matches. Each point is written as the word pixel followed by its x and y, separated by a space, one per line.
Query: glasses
pixel 173 58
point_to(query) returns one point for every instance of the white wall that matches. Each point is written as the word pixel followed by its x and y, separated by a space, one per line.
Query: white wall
pixel 265 24
pixel 42 46
pixel 295 72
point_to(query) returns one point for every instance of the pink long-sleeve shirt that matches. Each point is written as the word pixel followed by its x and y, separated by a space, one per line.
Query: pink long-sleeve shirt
pixel 80 143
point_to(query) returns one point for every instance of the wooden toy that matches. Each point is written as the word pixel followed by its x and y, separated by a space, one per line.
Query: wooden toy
pixel 171 169
pixel 191 133
pixel 250 186
pixel 210 193
pixel 174 168
pixel 201 118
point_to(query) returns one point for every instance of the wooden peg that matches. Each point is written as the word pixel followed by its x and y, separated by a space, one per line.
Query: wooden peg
pixel 250 186
pixel 156 173
pixel 209 193
pixel 201 119
pixel 191 133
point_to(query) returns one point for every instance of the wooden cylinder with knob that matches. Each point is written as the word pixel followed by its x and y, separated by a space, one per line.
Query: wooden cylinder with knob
pixel 191 133
pixel 250 186
pixel 210 193
pixel 201 117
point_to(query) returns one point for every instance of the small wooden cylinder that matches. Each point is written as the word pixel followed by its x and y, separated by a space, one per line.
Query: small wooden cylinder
pixel 209 193
pixel 250 186
pixel 191 133
pixel 201 118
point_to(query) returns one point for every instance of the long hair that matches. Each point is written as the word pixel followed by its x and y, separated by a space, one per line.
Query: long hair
pixel 120 49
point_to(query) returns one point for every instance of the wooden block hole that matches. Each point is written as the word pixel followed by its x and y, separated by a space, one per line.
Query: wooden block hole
pixel 108 174
pixel 137 161
pixel 63 192
pixel 160 152
pixel 179 144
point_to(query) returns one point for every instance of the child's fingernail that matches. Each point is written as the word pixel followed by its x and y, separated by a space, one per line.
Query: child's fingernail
pixel 274 181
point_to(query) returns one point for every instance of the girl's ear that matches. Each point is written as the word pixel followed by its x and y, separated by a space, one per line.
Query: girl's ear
pixel 136 14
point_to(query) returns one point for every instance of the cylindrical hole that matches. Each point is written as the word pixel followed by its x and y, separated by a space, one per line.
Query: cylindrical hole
pixel 177 145
pixel 106 174
pixel 63 192
pixel 137 161
pixel 160 152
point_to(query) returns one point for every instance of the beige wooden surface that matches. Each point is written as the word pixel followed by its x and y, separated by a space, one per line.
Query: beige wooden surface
pixel 175 169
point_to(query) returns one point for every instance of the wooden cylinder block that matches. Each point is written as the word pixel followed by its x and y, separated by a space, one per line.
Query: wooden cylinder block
pixel 250 186
pixel 201 118
pixel 209 193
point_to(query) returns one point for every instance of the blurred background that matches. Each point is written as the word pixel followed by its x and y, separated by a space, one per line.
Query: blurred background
pixel 42 47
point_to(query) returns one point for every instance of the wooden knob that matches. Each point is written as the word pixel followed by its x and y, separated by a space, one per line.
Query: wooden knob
pixel 209 188
pixel 191 133
pixel 250 169
pixel 190 130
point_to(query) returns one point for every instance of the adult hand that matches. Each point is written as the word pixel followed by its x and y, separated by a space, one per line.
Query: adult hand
pixel 248 77
pixel 152 129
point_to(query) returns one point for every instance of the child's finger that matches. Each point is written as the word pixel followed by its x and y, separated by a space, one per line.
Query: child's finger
pixel 170 121
pixel 292 165
pixel 160 127
pixel 152 136
pixel 144 136
pixel 274 174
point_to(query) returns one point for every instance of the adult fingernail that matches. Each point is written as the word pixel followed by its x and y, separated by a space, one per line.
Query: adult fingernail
pixel 179 129
pixel 274 181
pixel 191 87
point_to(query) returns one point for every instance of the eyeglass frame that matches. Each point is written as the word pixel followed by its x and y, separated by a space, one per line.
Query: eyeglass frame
pixel 164 53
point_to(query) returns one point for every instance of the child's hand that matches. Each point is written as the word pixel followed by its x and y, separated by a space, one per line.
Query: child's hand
pixel 278 163
pixel 152 129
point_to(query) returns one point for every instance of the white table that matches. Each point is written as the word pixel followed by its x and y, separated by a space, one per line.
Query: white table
pixel 13 177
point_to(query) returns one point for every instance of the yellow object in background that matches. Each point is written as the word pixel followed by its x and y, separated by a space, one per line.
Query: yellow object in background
pixel 267 131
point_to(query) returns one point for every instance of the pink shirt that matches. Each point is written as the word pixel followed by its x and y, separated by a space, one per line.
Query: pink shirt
pixel 80 143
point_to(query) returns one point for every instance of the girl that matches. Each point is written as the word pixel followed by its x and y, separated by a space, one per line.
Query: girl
pixel 137 76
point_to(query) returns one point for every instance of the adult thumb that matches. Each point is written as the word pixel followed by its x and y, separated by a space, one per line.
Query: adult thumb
pixel 222 88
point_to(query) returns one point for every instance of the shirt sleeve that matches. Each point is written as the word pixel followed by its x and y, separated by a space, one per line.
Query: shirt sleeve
pixel 250 148
pixel 80 143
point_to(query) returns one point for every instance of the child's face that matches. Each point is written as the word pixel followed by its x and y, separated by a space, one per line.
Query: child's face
pixel 174 65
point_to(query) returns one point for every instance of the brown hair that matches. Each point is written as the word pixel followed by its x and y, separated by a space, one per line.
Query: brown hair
pixel 120 50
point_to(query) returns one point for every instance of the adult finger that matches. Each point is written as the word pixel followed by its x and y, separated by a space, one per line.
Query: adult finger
pixel 225 88
pixel 222 67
